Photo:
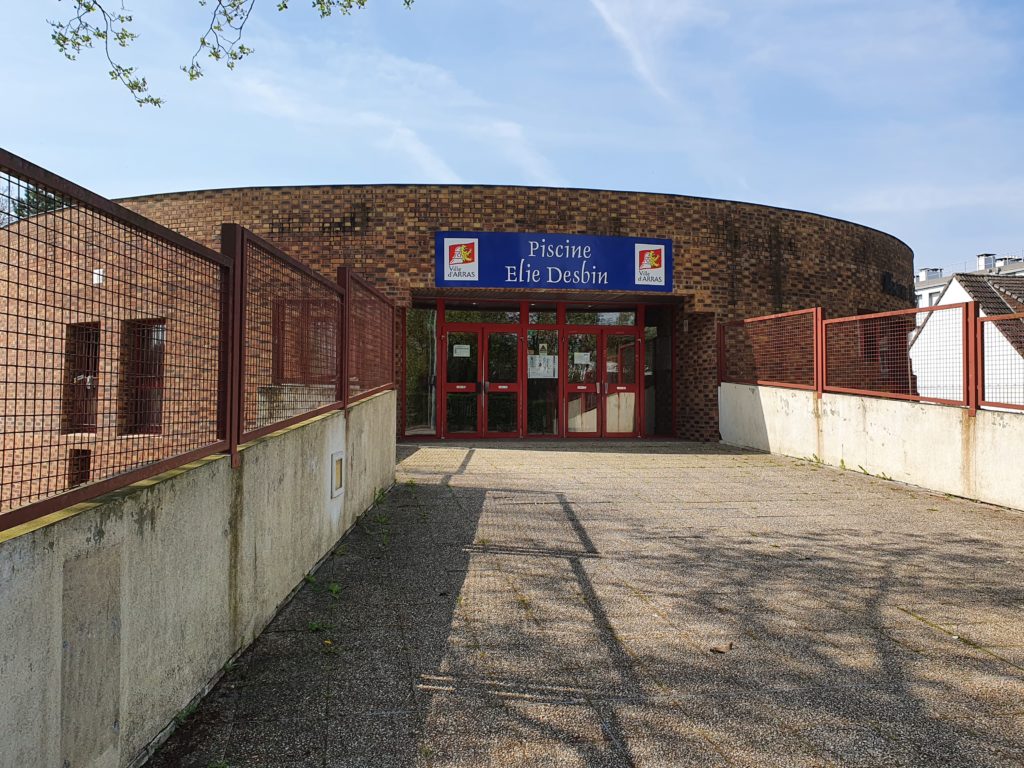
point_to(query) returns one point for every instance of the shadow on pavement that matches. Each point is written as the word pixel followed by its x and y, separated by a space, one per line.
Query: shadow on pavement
pixel 467 625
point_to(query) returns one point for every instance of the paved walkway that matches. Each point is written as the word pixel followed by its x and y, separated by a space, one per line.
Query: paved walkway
pixel 638 604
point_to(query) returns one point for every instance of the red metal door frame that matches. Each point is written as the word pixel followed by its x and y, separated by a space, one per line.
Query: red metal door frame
pixel 584 388
pixel 601 386
pixel 460 388
pixel 487 330
pixel 619 388
pixel 522 328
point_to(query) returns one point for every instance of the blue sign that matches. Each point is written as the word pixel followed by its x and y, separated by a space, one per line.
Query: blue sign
pixel 525 260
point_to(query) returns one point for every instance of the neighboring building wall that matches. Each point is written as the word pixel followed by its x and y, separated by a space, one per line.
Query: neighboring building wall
pixel 932 359
pixel 937 447
pixel 732 260
pixel 114 618
pixel 47 284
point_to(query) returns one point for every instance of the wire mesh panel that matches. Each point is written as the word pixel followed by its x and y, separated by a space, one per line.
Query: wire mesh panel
pixel 1002 361
pixel 915 354
pixel 371 344
pixel 776 350
pixel 110 353
pixel 292 338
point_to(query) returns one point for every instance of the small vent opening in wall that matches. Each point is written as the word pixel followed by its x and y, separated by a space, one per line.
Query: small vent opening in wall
pixel 337 473
pixel 79 467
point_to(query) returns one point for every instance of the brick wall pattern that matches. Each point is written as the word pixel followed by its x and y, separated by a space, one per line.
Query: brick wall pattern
pixel 731 260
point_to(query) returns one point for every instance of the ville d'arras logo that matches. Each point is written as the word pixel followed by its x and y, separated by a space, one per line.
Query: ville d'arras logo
pixel 650 259
pixel 462 258
pixel 461 253
pixel 649 264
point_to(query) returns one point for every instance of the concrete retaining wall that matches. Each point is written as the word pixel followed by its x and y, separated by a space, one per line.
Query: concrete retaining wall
pixel 933 446
pixel 115 615
pixel 370 449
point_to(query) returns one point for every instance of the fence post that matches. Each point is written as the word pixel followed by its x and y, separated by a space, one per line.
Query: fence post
pixel 823 351
pixel 972 375
pixel 720 352
pixel 225 392
pixel 819 356
pixel 232 241
pixel 345 283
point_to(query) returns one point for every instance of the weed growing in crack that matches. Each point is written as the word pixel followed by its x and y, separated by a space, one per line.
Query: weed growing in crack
pixel 185 714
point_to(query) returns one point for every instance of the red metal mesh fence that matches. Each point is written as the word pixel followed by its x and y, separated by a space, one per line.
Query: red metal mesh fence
pixel 110 354
pixel 127 349
pixel 1001 375
pixel 292 339
pixel 776 350
pixel 370 339
pixel 914 354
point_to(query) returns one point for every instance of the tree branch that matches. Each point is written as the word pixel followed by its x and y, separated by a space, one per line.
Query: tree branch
pixel 91 21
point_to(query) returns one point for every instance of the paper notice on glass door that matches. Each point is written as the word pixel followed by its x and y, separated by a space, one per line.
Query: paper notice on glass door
pixel 581 358
pixel 460 350
pixel 542 366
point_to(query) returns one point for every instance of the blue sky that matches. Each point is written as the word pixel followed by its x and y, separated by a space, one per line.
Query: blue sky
pixel 906 115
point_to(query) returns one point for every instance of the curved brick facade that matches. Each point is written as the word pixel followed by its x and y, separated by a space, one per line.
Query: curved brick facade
pixel 731 260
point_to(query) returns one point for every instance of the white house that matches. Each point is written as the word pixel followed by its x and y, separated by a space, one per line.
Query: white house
pixel 936 349
pixel 929 282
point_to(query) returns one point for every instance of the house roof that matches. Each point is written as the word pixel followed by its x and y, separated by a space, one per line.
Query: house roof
pixel 995 294
pixel 999 295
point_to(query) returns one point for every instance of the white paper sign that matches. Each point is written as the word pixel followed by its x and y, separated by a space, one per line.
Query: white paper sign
pixel 460 350
pixel 542 366
pixel 581 358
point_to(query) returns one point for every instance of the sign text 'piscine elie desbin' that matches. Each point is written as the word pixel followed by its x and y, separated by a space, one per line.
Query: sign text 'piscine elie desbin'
pixel 584 262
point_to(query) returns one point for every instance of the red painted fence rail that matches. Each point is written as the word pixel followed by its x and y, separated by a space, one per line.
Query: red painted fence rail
pixel 1000 346
pixel 127 349
pixel 773 350
pixel 911 354
pixel 946 355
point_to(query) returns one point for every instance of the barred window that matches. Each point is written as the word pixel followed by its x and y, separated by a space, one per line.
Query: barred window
pixel 142 377
pixel 81 377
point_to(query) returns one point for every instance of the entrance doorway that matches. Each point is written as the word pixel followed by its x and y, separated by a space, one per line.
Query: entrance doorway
pixel 482 381
pixel 601 392
pixel 537 370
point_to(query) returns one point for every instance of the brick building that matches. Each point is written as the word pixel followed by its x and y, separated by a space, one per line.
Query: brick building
pixel 596 361
pixel 108 348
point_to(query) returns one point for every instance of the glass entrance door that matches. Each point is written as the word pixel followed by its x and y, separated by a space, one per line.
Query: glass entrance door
pixel 501 382
pixel 540 371
pixel 602 388
pixel 620 355
pixel 582 403
pixel 462 383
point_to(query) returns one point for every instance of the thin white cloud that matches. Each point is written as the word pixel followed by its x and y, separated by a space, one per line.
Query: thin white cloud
pixel 416 108
pixel 514 145
pixel 642 26
pixel 385 132
pixel 407 141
